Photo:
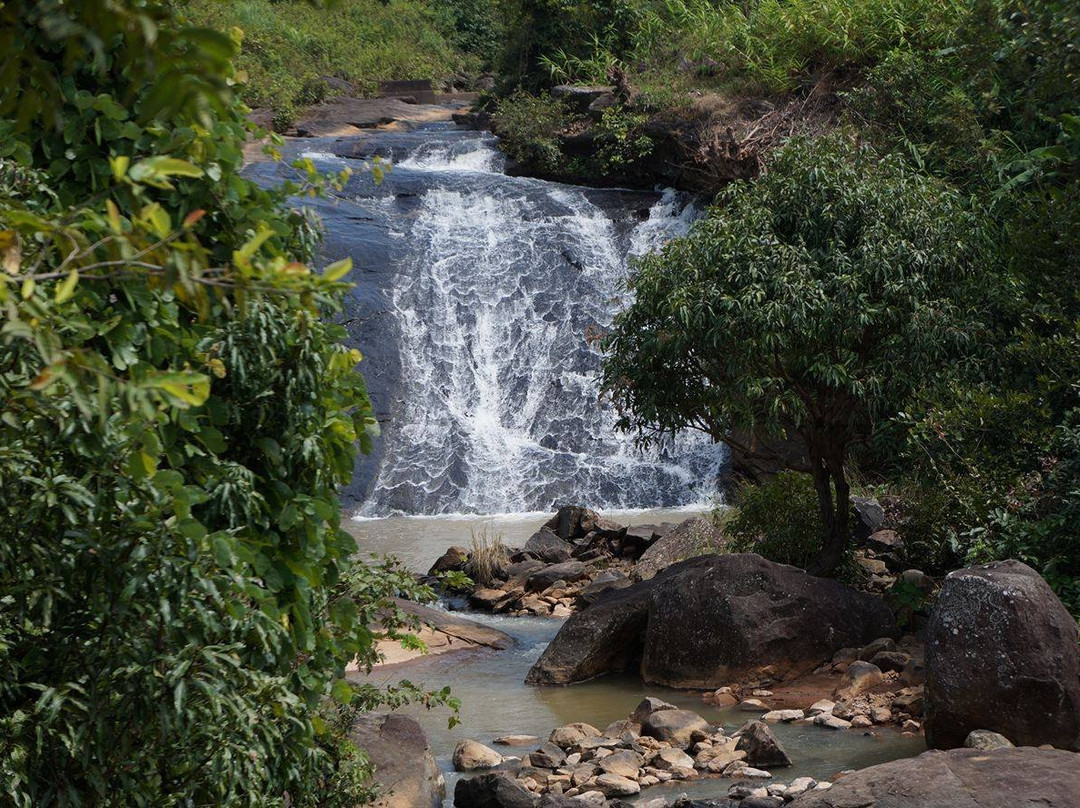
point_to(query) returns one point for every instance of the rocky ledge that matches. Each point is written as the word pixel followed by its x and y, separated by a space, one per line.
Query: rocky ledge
pixel 574 558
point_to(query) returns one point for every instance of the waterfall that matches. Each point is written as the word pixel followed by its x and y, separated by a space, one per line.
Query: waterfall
pixel 498 284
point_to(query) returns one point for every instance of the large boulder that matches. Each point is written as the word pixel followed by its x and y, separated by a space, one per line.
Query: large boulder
pixel 470 755
pixel 678 727
pixel 694 537
pixel 761 747
pixel 960 778
pixel 713 619
pixel 405 770
pixel 495 790
pixel 717 619
pixel 604 638
pixel 1001 655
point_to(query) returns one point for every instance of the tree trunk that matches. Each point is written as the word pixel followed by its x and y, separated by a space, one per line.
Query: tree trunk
pixel 834 500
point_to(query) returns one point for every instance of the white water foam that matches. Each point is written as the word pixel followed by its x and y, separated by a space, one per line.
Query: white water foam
pixel 501 407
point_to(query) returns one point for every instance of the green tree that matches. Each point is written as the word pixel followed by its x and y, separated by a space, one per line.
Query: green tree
pixel 178 600
pixel 811 304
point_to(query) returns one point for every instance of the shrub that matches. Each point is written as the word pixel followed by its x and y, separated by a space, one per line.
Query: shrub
pixel 488 559
pixel 528 126
pixel 778 519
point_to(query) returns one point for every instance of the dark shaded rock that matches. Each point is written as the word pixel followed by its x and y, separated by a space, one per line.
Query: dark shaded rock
pixel 890 660
pixel 678 727
pixel 522 569
pixel 761 747
pixel 1001 655
pixel 492 791
pixel 601 583
pixel 547 547
pixel 604 638
pixel 579 98
pixel 694 537
pixel 869 516
pixel 405 769
pixel 638 538
pixel 572 522
pixel 548 756
pixel 647 706
pixel 960 778
pixel 885 541
pixel 567 571
pixel 716 619
pixel 453 560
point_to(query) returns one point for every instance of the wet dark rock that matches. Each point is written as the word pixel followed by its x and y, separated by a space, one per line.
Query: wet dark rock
pixel 1002 655
pixel 761 747
pixel 405 768
pixel 492 791
pixel 567 571
pixel 572 522
pixel 959 778
pixel 547 547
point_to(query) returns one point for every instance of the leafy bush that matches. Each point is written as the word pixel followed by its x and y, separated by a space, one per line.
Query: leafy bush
pixel 178 601
pixel 528 126
pixel 778 519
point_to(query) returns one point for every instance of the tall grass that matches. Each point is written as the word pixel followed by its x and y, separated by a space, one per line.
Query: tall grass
pixel 488 559
pixel 774 44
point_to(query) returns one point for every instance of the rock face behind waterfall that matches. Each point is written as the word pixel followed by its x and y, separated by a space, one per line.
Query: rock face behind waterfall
pixel 1001 655
pixel 712 619
pixel 961 778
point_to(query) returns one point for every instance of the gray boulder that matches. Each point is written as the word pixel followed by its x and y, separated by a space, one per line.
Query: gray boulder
pixel 694 537
pixel 717 619
pixel 960 778
pixel 405 770
pixel 713 619
pixel 573 522
pixel 1001 655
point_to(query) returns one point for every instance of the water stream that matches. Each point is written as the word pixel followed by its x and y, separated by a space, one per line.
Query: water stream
pixel 475 296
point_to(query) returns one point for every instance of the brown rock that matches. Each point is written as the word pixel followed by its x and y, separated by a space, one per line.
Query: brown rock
pixel 761 747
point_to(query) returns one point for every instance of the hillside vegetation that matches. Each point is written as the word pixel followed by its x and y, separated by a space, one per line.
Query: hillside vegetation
pixel 289 49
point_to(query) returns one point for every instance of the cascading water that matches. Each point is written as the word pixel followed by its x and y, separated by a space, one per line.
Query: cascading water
pixel 497 283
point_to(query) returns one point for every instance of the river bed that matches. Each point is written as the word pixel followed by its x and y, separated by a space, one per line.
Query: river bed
pixel 495 701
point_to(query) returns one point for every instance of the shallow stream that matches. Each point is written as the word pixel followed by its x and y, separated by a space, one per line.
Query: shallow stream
pixel 495 701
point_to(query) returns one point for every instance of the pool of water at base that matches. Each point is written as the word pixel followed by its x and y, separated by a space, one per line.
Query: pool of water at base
pixel 495 701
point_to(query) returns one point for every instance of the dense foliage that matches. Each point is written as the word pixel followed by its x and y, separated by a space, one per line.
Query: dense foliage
pixel 811 303
pixel 179 600
pixel 292 57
